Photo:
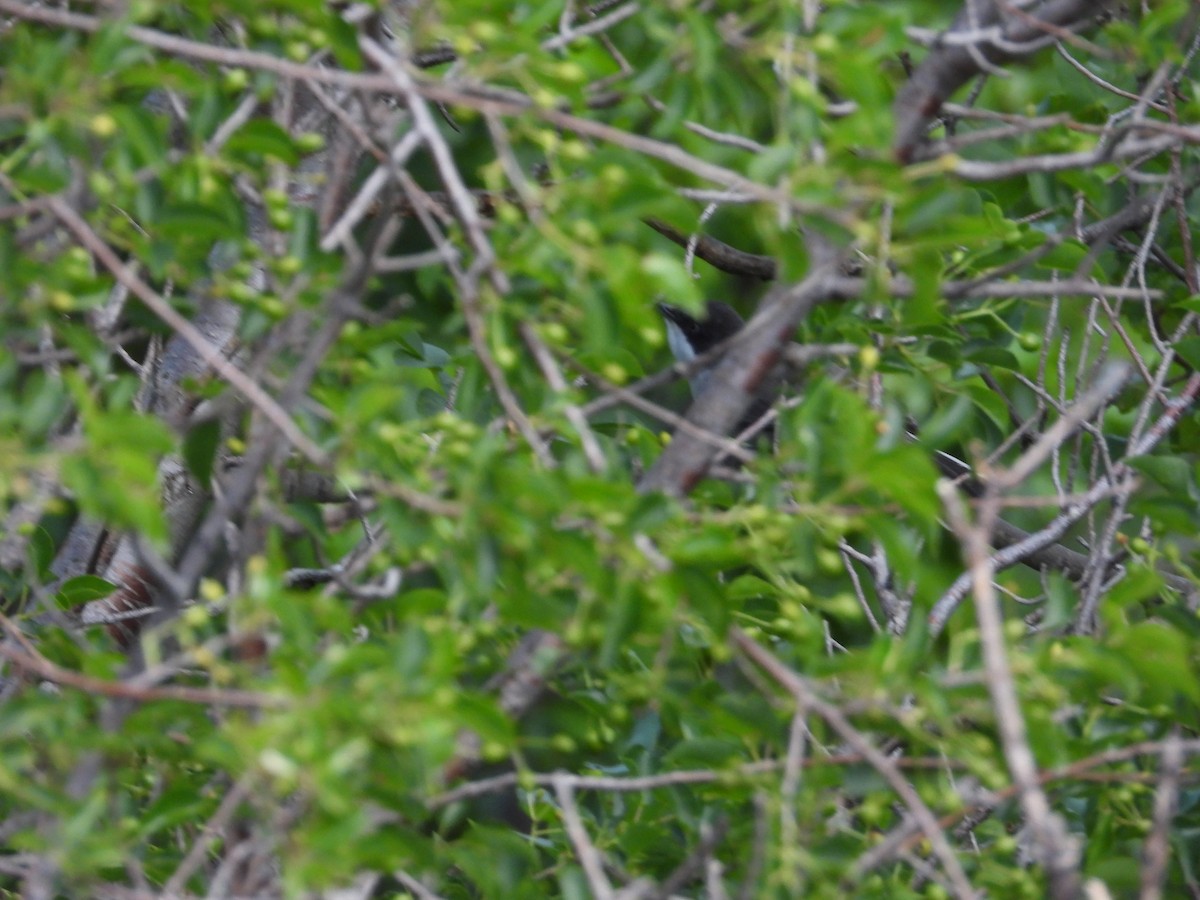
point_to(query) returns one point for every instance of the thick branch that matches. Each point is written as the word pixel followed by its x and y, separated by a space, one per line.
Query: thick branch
pixel 991 37
pixel 740 377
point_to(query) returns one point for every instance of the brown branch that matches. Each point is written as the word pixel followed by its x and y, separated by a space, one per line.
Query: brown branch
pixel 1054 847
pixel 719 254
pixel 742 375
pixel 1024 548
pixel 589 857
pixel 907 836
pixel 30 660
pixel 1104 151
pixel 637 784
pixel 993 39
pixel 618 394
pixel 1156 851
pixel 212 831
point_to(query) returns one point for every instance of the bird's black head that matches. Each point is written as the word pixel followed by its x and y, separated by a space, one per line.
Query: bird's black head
pixel 689 337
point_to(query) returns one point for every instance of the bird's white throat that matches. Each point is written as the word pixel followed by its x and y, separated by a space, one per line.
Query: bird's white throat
pixel 682 350
pixel 680 347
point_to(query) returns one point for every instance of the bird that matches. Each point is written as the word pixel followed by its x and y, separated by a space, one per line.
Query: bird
pixel 689 338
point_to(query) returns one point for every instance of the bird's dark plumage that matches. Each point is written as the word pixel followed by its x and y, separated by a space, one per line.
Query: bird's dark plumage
pixel 689 337
pixel 720 322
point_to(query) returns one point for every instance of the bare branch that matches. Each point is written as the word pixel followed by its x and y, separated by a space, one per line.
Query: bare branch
pixel 989 37
pixel 1156 851
pixel 1056 850
pixel 31 661
pixel 806 697
pixel 185 329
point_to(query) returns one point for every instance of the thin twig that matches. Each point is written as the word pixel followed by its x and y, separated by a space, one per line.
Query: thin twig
pixel 804 695
pixel 589 856
pixel 237 379
pixel 30 660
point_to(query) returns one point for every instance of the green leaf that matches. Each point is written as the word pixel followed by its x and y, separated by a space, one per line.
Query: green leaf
pixel 1172 472
pixel 906 475
pixel 142 133
pixel 996 357
pixel 1066 256
pixel 1162 657
pixel 200 449
pixel 702 753
pixel 1188 304
pixel 83 589
pixel 262 137
pixel 42 551
pixel 427 356
pixel 344 43
pixel 196 221
pixel 1188 349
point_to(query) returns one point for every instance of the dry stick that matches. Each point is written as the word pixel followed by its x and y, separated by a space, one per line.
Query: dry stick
pixel 1056 850
pixel 738 262
pixel 1165 423
pixel 974 170
pixel 907 835
pixel 598 782
pixel 680 423
pixel 426 503
pixel 589 856
pixel 211 832
pixel 237 379
pixel 724 137
pixel 637 784
pixel 30 660
pixel 698 858
pixel 849 555
pixel 545 360
pixel 789 784
pixel 940 613
pixel 239 117
pixel 1097 80
pixel 798 356
pixel 1107 383
pixel 618 15
pixel 1080 769
pixel 353 127
pixel 362 203
pixel 502 145
pixel 668 153
pixel 948 67
pixel 807 698
pixel 418 889
pixel 719 254
pixel 1062 35
pixel 1020 128
pixel 22 209
pixel 464 205
pixel 752 871
pixel 1179 196
pixel 1033 547
pixel 1053 845
pixel 467 213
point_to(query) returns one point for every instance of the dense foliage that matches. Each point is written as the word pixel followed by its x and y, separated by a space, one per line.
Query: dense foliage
pixel 347 546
